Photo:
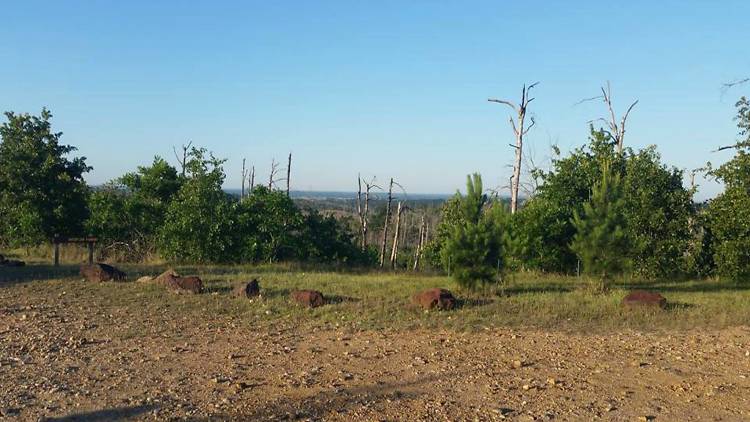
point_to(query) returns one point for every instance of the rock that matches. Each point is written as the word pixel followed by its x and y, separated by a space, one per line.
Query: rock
pixel 98 273
pixel 309 298
pixel 190 284
pixel 435 299
pixel 13 263
pixel 145 279
pixel 163 277
pixel 517 364
pixel 249 289
pixel 644 298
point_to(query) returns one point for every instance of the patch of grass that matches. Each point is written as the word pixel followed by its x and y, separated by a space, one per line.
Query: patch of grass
pixel 381 300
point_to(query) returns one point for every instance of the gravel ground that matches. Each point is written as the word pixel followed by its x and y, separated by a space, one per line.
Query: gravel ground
pixel 65 356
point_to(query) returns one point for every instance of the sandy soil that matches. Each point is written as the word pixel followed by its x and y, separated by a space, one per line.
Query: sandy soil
pixel 67 358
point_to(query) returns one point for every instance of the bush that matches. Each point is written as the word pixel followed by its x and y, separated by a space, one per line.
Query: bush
pixel 199 221
pixel 729 213
pixel 127 213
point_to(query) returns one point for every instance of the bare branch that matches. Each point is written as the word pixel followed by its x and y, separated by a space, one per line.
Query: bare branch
pixel 585 100
pixel 735 83
pixel 533 122
pixel 508 103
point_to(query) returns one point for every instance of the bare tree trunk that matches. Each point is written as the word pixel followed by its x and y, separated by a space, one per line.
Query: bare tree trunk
pixel 420 243
pixel 363 213
pixel 252 179
pixel 394 250
pixel 183 160
pixel 272 174
pixel 288 173
pixel 519 131
pixel 386 223
pixel 360 213
pixel 617 132
pixel 244 176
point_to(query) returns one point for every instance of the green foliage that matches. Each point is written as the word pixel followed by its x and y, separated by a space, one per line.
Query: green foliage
pixel 127 214
pixel 199 221
pixel 542 229
pixel 601 241
pixel 540 236
pixel 473 248
pixel 42 192
pixel 450 216
pixel 271 226
pixel 729 213
pixel 327 239
pixel 658 211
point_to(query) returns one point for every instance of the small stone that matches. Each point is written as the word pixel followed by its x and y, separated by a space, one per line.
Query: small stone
pixel 517 364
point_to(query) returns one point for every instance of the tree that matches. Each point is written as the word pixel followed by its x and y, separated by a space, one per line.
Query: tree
pixel 658 213
pixel 542 230
pixel 729 213
pixel 519 132
pixel 616 131
pixel 473 249
pixel 199 221
pixel 601 241
pixel 326 239
pixel 270 226
pixel 127 213
pixel 42 191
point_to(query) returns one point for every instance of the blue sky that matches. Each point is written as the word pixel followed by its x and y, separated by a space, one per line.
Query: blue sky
pixel 388 88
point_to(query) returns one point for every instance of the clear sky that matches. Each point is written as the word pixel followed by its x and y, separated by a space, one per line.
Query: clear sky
pixel 386 88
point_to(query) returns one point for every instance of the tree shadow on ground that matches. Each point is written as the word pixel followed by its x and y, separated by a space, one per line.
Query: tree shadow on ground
pixel 532 289
pixel 472 302
pixel 687 287
pixel 337 401
pixel 678 306
pixel 209 288
pixel 338 299
pixel 36 272
pixel 114 414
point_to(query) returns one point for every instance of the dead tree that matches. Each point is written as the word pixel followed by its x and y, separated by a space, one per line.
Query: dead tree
pixel 252 179
pixel 394 250
pixel 616 131
pixel 384 240
pixel 182 160
pixel 363 211
pixel 420 243
pixel 288 173
pixel 519 130
pixel 244 176
pixel 272 175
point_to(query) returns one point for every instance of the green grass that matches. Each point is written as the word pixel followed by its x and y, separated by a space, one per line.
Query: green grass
pixel 375 300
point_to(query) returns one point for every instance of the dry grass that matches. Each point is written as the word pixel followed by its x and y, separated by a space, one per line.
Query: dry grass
pixel 374 300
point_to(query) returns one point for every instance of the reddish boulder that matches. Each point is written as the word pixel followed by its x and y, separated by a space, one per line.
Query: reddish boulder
pixel 163 277
pixel 190 284
pixel 434 299
pixel 249 289
pixel 309 298
pixel 644 298
pixel 98 273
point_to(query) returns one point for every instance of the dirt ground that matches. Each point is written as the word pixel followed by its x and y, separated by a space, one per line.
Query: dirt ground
pixel 69 357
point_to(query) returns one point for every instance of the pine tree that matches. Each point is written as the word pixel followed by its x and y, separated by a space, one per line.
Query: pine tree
pixel 601 241
pixel 473 249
